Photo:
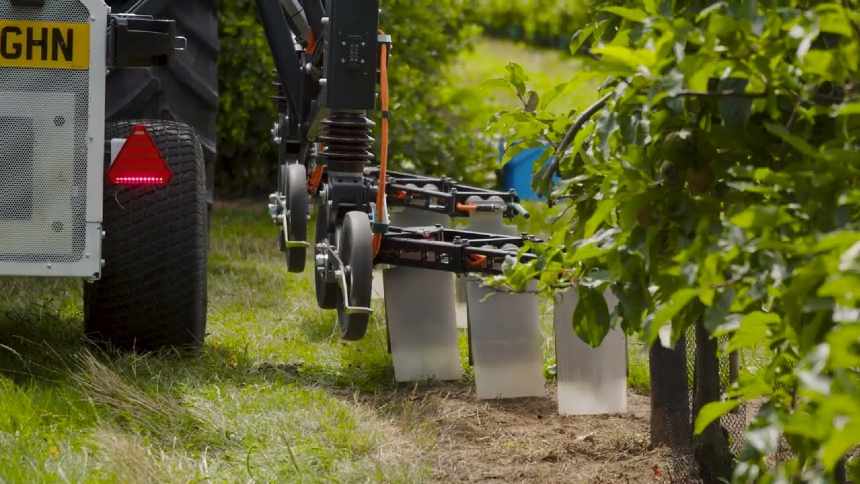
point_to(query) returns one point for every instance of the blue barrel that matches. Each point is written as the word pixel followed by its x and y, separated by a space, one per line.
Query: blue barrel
pixel 518 173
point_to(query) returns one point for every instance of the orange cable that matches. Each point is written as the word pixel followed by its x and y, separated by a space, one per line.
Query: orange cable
pixel 383 145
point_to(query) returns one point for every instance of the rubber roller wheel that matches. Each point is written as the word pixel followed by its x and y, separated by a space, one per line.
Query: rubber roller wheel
pixel 296 222
pixel 327 291
pixel 356 252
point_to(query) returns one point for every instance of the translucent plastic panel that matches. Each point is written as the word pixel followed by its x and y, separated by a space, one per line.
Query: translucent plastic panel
pixel 506 343
pixel 420 307
pixel 422 324
pixel 461 308
pixel 590 380
pixel 504 330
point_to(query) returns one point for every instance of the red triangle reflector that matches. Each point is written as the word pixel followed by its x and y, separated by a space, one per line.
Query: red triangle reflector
pixel 139 162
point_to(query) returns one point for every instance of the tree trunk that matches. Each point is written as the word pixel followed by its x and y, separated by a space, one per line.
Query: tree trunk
pixel 670 408
pixel 711 447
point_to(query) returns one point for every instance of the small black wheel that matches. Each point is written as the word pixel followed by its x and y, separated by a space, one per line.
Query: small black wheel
pixel 327 291
pixel 296 220
pixel 356 252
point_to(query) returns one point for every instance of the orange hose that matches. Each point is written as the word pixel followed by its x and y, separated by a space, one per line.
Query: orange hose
pixel 383 144
pixel 312 43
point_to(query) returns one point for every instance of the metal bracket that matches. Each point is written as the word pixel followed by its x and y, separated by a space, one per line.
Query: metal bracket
pixel 290 244
pixel 340 275
pixel 141 41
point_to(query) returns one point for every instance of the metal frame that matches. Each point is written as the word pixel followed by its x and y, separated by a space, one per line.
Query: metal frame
pixel 90 264
pixel 450 250
pixel 326 88
pixel 447 196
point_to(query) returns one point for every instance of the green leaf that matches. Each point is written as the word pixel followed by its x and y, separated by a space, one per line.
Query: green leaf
pixel 850 109
pixel 603 211
pixel 757 216
pixel 712 411
pixel 752 330
pixel 517 77
pixel 793 140
pixel 632 58
pixel 580 37
pixel 842 441
pixel 591 317
pixel 709 10
pixel 632 14
pixel 669 310
pixel 845 347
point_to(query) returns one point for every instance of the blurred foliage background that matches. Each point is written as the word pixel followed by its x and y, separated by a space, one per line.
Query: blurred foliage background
pixel 440 65
pixel 548 23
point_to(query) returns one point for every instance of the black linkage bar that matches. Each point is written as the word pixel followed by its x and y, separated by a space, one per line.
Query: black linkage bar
pixel 449 197
pixel 449 250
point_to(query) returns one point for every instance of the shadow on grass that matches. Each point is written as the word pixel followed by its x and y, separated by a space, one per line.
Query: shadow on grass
pixel 42 347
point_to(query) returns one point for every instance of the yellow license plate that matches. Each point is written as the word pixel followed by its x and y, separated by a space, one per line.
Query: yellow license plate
pixel 45 45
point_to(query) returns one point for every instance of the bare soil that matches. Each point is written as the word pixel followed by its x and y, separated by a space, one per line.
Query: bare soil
pixel 525 440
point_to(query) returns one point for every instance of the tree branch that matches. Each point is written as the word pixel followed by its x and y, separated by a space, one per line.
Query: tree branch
pixel 552 168
pixel 726 93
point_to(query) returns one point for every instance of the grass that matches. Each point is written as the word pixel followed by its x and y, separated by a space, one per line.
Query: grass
pixel 272 397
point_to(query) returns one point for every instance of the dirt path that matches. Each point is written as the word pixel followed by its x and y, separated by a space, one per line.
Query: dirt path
pixel 527 441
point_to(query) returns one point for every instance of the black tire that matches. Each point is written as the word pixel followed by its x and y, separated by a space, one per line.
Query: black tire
pixel 356 252
pixel 297 216
pixel 187 89
pixel 327 292
pixel 152 293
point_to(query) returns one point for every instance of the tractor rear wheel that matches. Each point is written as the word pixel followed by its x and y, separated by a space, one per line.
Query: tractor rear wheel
pixel 152 293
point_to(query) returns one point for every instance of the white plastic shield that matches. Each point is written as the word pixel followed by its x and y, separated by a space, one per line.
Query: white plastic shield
pixel 591 381
pixel 506 343
pixel 420 309
pixel 504 331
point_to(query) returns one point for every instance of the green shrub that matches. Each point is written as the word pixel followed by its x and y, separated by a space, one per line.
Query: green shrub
pixel 549 23
pixel 717 185
pixel 431 131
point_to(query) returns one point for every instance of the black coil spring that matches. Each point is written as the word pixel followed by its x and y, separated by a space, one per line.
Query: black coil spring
pixel 347 142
